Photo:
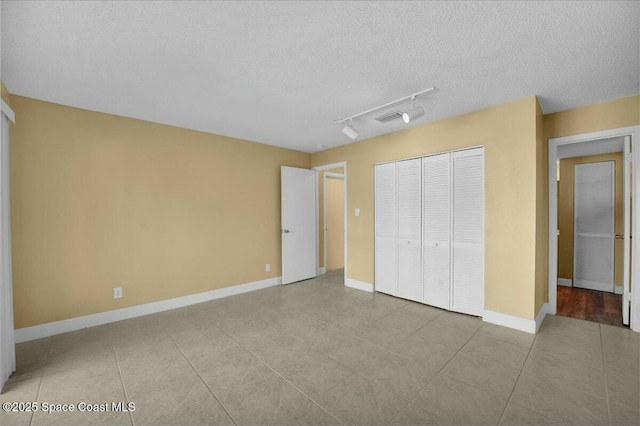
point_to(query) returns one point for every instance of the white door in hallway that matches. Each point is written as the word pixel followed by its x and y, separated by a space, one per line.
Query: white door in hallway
pixel 594 230
pixel 298 223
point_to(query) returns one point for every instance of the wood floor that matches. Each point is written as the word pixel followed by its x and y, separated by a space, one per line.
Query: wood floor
pixel 590 305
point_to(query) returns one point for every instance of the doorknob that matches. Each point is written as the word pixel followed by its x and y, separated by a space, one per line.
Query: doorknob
pixel 285 231
pixel 619 237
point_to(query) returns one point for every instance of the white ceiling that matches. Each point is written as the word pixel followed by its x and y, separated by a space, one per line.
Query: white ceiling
pixel 595 147
pixel 281 72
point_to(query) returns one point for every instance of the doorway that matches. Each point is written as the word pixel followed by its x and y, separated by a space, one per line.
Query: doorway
pixel 590 215
pixel 590 227
pixel 331 219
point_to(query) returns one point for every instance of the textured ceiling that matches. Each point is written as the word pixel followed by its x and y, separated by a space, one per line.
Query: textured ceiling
pixel 281 72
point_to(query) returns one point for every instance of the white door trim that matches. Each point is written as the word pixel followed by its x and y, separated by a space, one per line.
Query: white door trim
pixel 6 110
pixel 626 253
pixel 342 164
pixel 554 143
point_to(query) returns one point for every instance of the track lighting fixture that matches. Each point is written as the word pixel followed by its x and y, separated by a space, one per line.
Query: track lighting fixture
pixel 407 117
pixel 350 131
pixel 413 114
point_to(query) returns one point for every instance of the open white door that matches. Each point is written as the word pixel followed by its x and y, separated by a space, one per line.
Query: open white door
pixel 626 291
pixel 298 224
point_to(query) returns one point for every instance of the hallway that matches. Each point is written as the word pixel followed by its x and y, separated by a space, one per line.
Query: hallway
pixel 590 305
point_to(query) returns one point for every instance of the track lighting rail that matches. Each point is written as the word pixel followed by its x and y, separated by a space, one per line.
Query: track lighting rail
pixel 388 104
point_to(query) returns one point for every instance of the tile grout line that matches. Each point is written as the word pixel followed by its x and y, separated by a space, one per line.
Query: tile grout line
pixel 326 391
pixel 46 361
pixel 398 413
pixel 382 348
pixel 355 336
pixel 199 376
pixel 444 366
pixel 561 385
pixel 606 386
pixel 408 401
pixel 335 327
pixel 421 327
pixel 283 378
pixel 353 372
pixel 124 388
pixel 390 351
pixel 518 379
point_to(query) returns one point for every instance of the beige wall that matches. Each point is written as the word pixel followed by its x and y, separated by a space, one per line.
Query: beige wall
pixel 542 213
pixel 100 201
pixel 334 198
pixel 613 114
pixel 508 133
pixel 565 214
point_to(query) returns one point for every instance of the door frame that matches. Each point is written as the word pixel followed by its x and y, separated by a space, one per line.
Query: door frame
pixel 324 167
pixel 553 144
pixel 613 221
pixel 329 175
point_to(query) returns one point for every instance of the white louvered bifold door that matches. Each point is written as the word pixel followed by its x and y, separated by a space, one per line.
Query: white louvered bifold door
pixel 385 229
pixel 468 232
pixel 409 229
pixel 594 215
pixel 436 228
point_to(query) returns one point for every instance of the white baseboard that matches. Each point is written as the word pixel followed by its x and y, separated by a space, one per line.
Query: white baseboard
pixel 544 310
pixel 78 323
pixel 322 271
pixel 565 282
pixel 360 285
pixel 517 323
pixel 618 289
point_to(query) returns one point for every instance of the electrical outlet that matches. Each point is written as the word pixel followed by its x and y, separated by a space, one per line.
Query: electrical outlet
pixel 268 267
pixel 117 292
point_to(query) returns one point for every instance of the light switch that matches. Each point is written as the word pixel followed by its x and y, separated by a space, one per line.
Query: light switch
pixel 357 211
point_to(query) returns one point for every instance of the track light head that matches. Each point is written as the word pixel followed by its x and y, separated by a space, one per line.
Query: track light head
pixel 411 115
pixel 350 131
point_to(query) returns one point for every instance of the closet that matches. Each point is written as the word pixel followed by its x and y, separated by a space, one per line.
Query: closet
pixel 429 230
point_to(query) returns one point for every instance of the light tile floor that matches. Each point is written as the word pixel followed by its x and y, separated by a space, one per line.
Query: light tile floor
pixel 317 352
